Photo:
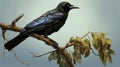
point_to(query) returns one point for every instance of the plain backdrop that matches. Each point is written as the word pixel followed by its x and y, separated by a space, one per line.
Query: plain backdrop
pixel 93 15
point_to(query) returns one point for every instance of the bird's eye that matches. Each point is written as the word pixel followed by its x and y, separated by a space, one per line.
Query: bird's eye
pixel 67 5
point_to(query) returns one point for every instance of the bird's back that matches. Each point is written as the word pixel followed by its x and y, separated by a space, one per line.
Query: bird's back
pixel 48 23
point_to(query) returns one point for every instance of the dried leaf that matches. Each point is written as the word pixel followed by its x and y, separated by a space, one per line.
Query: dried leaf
pixel 102 34
pixel 95 40
pixel 103 56
pixel 107 46
pixel 68 54
pixel 51 57
pixel 82 50
pixel 78 38
pixel 108 41
pixel 86 42
pixel 77 51
pixel 111 52
pixel 109 59
pixel 96 44
pixel 87 52
pixel 59 59
pixel 77 56
pixel 93 35
pixel 72 39
pixel 104 59
pixel 78 60
pixel 102 39
pixel 79 41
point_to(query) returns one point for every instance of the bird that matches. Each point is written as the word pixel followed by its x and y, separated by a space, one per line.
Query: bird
pixel 45 25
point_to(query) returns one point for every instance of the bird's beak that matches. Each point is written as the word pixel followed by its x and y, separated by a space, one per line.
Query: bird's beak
pixel 74 7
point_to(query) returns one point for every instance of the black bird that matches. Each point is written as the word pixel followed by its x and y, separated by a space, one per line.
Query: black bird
pixel 46 24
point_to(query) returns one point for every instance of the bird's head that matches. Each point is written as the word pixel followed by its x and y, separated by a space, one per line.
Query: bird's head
pixel 66 7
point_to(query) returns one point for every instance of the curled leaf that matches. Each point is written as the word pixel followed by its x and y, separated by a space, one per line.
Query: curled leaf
pixel 87 52
pixel 72 39
pixel 108 43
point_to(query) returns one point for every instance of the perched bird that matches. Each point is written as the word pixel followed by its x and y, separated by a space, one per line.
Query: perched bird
pixel 46 24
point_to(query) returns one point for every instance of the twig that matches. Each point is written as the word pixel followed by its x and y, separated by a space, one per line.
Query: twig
pixel 39 37
pixel 17 19
pixel 3 35
pixel 8 27
pixel 34 56
pixel 85 35
pixel 71 44
pixel 3 52
pixel 5 39
pixel 94 52
pixel 32 53
pixel 55 45
pixel 43 54
pixel 18 58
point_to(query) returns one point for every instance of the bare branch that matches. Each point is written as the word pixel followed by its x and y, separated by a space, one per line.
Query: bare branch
pixel 85 35
pixel 17 19
pixel 34 56
pixel 48 41
pixel 10 27
pixel 3 35
pixel 18 58
pixel 71 44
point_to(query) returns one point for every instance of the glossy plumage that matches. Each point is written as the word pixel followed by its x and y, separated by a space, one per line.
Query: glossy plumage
pixel 46 24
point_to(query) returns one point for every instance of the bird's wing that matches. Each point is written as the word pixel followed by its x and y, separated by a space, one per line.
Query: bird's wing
pixel 41 23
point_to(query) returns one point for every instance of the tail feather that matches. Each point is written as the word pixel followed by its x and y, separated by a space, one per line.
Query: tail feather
pixel 15 41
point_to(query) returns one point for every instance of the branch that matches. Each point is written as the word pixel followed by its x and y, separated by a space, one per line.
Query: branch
pixel 71 44
pixel 18 58
pixel 34 56
pixel 16 19
pixel 48 41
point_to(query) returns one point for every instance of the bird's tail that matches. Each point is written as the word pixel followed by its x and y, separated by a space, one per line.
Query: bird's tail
pixel 15 41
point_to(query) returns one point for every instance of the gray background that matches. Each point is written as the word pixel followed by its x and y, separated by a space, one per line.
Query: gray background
pixel 93 15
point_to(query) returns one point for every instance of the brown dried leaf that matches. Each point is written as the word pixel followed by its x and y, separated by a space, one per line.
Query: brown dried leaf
pixel 78 38
pixel 77 56
pixel 95 40
pixel 93 34
pixel 111 52
pixel 87 52
pixel 104 59
pixel 108 41
pixel 86 42
pixel 72 39
pixel 96 44
pixel 79 41
pixel 109 59
pixel 82 50
pixel 103 56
